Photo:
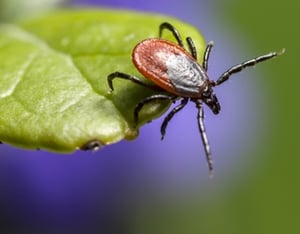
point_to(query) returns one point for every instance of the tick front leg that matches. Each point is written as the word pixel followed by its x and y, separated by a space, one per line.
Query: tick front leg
pixel 249 63
pixel 154 97
pixel 125 76
pixel 202 130
pixel 170 116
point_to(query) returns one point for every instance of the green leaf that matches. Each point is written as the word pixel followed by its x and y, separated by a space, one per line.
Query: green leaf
pixel 53 86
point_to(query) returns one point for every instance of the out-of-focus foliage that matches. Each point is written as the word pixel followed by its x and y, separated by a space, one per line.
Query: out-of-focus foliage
pixel 11 9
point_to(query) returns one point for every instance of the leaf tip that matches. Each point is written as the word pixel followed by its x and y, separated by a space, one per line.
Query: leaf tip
pixel 131 133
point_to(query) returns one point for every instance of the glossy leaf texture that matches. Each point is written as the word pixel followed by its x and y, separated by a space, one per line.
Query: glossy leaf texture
pixel 53 77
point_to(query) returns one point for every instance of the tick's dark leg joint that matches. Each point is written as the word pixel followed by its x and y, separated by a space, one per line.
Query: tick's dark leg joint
pixel 170 116
pixel 174 31
pixel 125 76
pixel 154 97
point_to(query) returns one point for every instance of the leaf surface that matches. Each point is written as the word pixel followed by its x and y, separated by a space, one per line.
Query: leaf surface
pixel 53 77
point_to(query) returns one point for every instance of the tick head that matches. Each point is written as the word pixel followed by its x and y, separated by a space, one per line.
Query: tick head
pixel 210 99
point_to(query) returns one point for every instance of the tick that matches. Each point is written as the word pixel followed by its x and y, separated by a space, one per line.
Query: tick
pixel 174 70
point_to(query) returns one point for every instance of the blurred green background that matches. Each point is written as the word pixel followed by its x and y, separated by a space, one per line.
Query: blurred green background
pixel 267 200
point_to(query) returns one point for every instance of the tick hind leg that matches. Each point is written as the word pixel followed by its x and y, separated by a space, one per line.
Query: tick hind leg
pixel 149 99
pixel 170 116
pixel 192 47
pixel 125 76
pixel 178 38
pixel 206 55
pixel 249 63
pixel 174 31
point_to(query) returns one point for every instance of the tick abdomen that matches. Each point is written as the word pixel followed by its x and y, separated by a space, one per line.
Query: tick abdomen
pixel 170 67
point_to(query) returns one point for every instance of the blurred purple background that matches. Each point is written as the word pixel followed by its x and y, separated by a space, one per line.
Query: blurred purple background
pixel 90 190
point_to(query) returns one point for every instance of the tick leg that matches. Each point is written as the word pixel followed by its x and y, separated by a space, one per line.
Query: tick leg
pixel 202 130
pixel 192 47
pixel 170 116
pixel 249 63
pixel 154 97
pixel 125 76
pixel 206 55
pixel 93 145
pixel 171 28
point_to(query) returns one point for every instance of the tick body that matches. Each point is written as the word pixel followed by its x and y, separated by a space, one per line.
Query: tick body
pixel 170 67
pixel 176 73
